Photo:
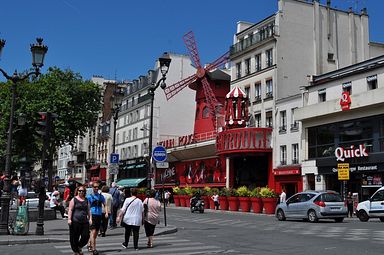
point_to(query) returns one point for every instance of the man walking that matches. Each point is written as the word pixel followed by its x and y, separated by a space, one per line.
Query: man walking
pixel 96 200
pixel 114 191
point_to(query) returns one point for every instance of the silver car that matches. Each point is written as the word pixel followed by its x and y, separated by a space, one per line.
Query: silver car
pixel 312 206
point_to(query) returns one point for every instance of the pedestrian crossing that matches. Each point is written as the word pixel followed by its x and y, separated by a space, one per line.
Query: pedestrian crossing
pixel 344 231
pixel 167 244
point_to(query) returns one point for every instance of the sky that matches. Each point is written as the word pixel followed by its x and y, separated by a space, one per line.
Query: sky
pixel 122 39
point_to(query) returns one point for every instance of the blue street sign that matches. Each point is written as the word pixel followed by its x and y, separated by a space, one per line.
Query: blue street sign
pixel 114 158
pixel 159 154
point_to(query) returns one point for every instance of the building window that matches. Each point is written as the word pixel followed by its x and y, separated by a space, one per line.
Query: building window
pixel 205 112
pixel 246 90
pixel 268 119
pixel 238 70
pixel 295 153
pixel 258 62
pixel 129 138
pixel 294 123
pixel 269 57
pixel 258 120
pixel 258 92
pixel 197 113
pixel 283 155
pixel 247 66
pixel 268 89
pixel 283 122
pixel 347 86
pixel 372 82
pixel 322 95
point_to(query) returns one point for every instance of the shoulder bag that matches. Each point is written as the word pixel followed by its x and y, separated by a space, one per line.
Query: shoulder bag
pixel 122 223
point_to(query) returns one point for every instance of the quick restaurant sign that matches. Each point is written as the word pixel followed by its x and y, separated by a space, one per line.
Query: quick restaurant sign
pixel 342 153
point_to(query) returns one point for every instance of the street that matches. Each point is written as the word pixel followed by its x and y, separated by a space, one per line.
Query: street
pixel 217 232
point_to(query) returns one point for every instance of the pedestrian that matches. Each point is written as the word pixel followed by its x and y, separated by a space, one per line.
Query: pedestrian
pixel 167 195
pixel 108 202
pixel 55 205
pixel 96 200
pixel 131 217
pixel 114 191
pixel 79 219
pixel 350 204
pixel 215 198
pixel 283 196
pixel 152 208
pixel 22 191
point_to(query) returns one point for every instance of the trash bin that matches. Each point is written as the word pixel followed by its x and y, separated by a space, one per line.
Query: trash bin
pixel 21 224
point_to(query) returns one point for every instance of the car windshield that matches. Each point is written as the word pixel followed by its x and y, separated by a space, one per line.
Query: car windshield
pixel 331 197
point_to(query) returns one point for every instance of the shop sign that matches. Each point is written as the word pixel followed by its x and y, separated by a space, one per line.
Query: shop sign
pixel 343 171
pixel 351 152
pixel 286 172
pixel 345 101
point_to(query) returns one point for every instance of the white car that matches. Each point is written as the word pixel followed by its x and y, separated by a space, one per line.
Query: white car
pixel 372 208
pixel 32 200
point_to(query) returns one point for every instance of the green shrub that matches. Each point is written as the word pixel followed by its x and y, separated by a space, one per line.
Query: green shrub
pixel 207 191
pixel 141 190
pixel 256 192
pixel 266 192
pixel 234 193
pixel 225 192
pixel 176 190
pixel 243 191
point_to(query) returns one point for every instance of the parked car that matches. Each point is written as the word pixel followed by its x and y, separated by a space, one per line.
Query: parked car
pixel 312 206
pixel 32 200
pixel 373 207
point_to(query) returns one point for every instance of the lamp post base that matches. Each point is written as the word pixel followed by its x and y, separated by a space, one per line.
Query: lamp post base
pixel 5 200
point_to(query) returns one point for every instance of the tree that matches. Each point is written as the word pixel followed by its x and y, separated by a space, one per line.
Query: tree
pixel 75 101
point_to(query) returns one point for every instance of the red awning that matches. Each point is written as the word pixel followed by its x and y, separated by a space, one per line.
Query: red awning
pixel 94 167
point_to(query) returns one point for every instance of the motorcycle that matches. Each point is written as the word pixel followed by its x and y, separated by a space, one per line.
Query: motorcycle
pixel 197 204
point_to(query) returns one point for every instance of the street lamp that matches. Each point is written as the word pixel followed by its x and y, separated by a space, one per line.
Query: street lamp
pixel 116 101
pixel 164 62
pixel 38 52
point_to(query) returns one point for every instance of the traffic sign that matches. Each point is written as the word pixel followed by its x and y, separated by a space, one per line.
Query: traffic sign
pixel 114 158
pixel 159 154
pixel 162 165
pixel 113 168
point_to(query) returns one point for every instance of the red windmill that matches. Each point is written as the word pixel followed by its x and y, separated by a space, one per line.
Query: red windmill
pixel 206 88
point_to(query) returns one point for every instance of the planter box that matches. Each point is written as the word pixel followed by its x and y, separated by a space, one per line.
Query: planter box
pixel 223 203
pixel 211 204
pixel 257 204
pixel 182 200
pixel 270 205
pixel 187 201
pixel 245 204
pixel 206 201
pixel 176 198
pixel 233 203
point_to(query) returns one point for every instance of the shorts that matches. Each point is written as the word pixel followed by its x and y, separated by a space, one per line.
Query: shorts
pixel 149 229
pixel 96 222
pixel 216 203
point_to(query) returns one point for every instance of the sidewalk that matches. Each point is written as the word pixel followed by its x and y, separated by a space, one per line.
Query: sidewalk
pixel 57 231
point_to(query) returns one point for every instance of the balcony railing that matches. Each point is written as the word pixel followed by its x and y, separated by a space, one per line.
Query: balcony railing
pixel 263 34
pixel 283 129
pixel 268 95
pixel 295 126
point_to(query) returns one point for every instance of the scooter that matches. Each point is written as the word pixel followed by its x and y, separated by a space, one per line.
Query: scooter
pixel 197 204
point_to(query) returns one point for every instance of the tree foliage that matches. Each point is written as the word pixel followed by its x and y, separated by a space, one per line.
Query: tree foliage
pixel 75 101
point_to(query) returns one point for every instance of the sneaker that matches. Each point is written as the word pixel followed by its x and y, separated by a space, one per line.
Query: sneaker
pixel 65 215
pixel 95 252
pixel 124 245
pixel 80 251
pixel 136 249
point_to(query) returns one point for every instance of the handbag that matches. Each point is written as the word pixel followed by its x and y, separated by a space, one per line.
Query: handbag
pixel 122 223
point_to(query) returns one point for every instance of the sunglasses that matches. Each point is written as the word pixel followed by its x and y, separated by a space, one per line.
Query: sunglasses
pixel 81 190
pixel 95 187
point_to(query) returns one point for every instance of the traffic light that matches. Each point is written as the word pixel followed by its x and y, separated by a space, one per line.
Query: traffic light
pixel 42 123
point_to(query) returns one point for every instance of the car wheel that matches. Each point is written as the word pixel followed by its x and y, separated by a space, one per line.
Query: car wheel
pixel 363 216
pixel 312 217
pixel 280 215
pixel 339 219
pixel 381 219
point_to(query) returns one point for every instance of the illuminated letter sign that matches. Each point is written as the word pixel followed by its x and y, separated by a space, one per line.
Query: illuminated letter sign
pixel 351 152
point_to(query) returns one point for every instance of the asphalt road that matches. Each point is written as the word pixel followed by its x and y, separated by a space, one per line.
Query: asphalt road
pixel 238 233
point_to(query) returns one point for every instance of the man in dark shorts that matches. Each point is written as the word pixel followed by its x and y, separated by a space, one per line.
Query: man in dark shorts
pixel 96 200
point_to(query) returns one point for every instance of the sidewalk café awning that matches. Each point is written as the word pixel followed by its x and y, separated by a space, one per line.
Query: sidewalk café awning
pixel 130 183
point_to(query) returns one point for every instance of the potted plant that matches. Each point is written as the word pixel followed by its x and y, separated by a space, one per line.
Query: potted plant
pixel 233 201
pixel 244 199
pixel 269 198
pixel 189 192
pixel 182 197
pixel 223 198
pixel 176 195
pixel 256 202
pixel 206 196
pixel 142 193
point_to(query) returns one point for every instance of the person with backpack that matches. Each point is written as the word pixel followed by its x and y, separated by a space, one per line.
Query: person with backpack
pixel 114 191
pixel 79 219
pixel 96 201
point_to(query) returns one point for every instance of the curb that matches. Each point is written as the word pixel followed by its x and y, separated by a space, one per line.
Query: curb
pixel 167 232
pixel 32 241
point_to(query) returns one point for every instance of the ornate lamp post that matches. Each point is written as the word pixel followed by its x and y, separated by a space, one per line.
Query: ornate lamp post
pixel 116 101
pixel 164 62
pixel 38 52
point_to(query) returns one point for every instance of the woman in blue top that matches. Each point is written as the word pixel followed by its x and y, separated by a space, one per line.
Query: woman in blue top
pixel 96 200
